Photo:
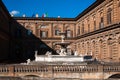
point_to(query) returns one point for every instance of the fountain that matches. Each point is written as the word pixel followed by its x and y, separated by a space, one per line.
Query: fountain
pixel 63 44
pixel 63 56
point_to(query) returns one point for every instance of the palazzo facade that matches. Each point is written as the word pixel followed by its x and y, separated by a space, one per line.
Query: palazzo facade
pixel 96 31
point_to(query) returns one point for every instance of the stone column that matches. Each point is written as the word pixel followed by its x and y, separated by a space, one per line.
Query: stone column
pixel 81 51
pixel 118 44
pixel 37 30
pixel 74 34
pixel 51 30
pixel 109 56
pixel 78 48
pixel 118 11
pixel 119 48
pixel 63 27
pixel 114 12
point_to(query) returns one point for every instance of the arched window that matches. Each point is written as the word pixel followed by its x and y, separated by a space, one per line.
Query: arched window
pixel 57 31
pixel 109 16
pixel 94 22
pixel 88 23
pixel 101 24
pixel 69 33
pixel 78 32
pixel 44 34
pixel 82 28
pixel 94 25
pixel 118 3
pixel 88 27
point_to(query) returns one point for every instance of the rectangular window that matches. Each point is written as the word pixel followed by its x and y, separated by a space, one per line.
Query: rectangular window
pixel 57 32
pixel 43 34
pixel 29 32
pixel 101 24
pixel 88 27
pixel 68 33
pixel 109 21
pixel 82 28
pixel 94 25
pixel 78 31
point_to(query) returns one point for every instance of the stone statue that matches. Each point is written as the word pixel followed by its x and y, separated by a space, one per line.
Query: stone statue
pixel 62 53
pixel 28 61
pixel 36 53
pixel 76 53
pixel 48 53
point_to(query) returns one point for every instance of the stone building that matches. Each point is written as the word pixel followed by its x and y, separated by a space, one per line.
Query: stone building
pixel 96 31
pixel 16 43
pixel 4 32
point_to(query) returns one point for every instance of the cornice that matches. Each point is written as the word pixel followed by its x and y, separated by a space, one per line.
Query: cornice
pixel 113 26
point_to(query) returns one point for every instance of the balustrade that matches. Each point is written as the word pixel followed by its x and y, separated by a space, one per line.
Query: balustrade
pixel 74 68
pixel 4 69
pixel 59 68
pixel 30 68
pixel 111 68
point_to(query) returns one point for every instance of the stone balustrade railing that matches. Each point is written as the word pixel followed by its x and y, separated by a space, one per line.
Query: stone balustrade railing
pixel 74 68
pixel 4 69
pixel 58 68
pixel 31 68
pixel 112 68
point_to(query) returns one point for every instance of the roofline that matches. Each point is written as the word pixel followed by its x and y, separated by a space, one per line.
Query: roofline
pixel 45 18
pixel 5 9
pixel 91 7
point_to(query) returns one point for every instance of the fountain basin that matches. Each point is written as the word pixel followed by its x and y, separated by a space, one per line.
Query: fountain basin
pixel 58 58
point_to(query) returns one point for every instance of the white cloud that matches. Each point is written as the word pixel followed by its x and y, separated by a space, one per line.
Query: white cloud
pixel 14 12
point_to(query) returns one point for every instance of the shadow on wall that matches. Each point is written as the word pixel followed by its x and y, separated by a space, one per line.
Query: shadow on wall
pixel 17 44
pixel 23 44
pixel 4 33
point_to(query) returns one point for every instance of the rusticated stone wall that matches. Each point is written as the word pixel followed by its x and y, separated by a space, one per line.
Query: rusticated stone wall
pixel 103 46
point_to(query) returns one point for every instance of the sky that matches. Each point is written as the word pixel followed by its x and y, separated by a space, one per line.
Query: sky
pixel 53 8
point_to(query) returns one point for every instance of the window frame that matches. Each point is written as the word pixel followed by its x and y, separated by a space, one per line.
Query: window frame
pixel 109 16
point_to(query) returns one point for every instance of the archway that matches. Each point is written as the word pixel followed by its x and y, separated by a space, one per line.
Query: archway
pixel 114 76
